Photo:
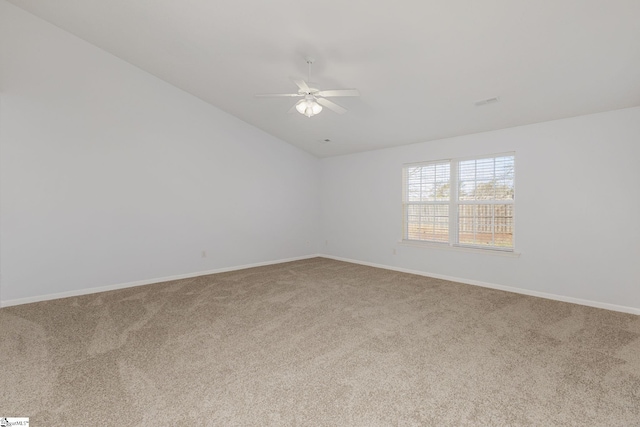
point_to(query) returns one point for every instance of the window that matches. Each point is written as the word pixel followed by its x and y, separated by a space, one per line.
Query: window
pixel 462 202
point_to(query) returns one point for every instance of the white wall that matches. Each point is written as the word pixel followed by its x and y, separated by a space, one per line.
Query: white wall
pixel 110 175
pixel 577 208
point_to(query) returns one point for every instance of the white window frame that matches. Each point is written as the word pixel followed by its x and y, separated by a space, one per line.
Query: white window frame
pixel 454 204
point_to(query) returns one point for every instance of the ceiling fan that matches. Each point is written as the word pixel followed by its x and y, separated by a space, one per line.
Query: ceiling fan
pixel 313 99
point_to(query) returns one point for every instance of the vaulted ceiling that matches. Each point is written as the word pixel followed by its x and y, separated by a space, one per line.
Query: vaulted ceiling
pixel 419 65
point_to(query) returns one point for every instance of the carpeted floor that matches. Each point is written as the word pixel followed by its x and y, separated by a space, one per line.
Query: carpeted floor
pixel 318 342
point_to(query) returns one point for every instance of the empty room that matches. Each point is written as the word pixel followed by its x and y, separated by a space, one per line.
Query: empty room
pixel 295 213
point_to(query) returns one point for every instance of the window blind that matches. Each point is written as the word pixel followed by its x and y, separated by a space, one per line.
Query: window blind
pixel 478 212
pixel 426 201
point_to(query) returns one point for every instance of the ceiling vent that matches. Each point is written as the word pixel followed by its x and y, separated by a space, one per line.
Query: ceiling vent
pixel 487 101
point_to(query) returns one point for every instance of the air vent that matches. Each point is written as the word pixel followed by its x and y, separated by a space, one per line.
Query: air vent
pixel 487 101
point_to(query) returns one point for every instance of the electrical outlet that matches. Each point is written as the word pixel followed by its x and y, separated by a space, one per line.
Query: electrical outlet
pixel 204 254
pixel 394 251
pixel 326 243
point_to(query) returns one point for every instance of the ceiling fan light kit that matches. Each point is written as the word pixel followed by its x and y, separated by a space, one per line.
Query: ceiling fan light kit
pixel 313 98
pixel 308 107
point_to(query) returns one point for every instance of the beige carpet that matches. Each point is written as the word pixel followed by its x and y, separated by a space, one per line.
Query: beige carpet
pixel 318 342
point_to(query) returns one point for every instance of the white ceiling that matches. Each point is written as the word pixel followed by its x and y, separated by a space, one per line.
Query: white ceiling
pixel 419 65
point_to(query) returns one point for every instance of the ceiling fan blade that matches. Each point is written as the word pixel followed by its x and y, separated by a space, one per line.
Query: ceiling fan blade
pixel 292 109
pixel 302 85
pixel 339 92
pixel 270 95
pixel 331 105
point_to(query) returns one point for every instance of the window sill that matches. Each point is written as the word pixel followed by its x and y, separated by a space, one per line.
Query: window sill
pixel 448 247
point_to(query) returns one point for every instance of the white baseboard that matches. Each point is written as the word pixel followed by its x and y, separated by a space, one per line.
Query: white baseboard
pixel 86 291
pixel 606 306
pixel 596 304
